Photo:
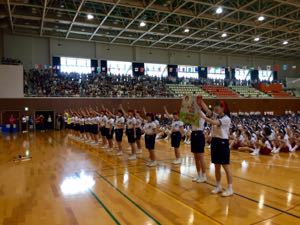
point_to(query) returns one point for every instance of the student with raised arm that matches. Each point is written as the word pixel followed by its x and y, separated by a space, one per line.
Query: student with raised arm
pixel 198 145
pixel 110 130
pixel 138 131
pixel 176 133
pixel 119 129
pixel 131 131
pixel 150 129
pixel 220 152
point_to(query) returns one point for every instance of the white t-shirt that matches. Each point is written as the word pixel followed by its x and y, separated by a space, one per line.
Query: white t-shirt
pixel 103 121
pixel 176 125
pixel 200 126
pixel 110 123
pixel 138 123
pixel 150 127
pixel 131 121
pixel 222 130
pixel 120 121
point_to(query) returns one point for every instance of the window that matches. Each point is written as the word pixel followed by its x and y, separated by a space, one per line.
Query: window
pixel 215 73
pixel 242 74
pixel 265 75
pixel 119 68
pixel 188 72
pixel 77 65
pixel 157 70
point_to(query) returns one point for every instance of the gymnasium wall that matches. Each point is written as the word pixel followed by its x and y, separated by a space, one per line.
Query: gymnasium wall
pixel 11 81
pixel 39 50
pixel 278 106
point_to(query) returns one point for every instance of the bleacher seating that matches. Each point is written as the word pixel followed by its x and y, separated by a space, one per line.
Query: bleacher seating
pixel 274 89
pixel 249 92
pixel 297 93
pixel 187 89
pixel 220 91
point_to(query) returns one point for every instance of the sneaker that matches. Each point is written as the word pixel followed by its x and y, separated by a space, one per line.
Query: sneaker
pixel 196 178
pixel 152 164
pixel 201 180
pixel 227 193
pixel 105 146
pixel 139 151
pixel 217 190
pixel 177 161
pixel 109 149
pixel 254 153
pixel 132 157
pixel 119 153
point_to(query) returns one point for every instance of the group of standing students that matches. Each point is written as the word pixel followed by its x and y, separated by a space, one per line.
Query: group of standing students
pixel 134 125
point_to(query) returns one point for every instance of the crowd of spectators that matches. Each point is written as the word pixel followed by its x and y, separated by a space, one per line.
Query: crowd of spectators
pixel 46 83
pixel 9 61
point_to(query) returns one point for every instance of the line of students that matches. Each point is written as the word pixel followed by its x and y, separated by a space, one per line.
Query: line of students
pixel 85 125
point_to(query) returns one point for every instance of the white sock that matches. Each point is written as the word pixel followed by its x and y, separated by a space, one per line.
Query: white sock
pixel 204 175
pixel 229 187
pixel 218 184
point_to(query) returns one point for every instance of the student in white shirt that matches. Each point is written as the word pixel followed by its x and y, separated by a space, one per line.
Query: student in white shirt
pixel 177 132
pixel 130 131
pixel 197 147
pixel 119 129
pixel 150 129
pixel 220 151
pixel 110 130
pixel 138 131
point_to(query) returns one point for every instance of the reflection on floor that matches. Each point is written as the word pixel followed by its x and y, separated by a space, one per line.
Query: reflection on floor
pixel 66 182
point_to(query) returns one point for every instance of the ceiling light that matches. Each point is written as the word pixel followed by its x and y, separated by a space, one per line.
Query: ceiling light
pixel 219 10
pixel 224 35
pixel 256 39
pixel 261 18
pixel 186 30
pixel 90 16
pixel 62 6
pixel 142 24
pixel 285 42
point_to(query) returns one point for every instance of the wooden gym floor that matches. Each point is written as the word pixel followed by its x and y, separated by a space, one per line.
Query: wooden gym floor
pixel 39 191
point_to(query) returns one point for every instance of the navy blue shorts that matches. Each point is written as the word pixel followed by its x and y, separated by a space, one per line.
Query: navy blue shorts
pixel 138 133
pixel 175 139
pixel 109 133
pixel 220 151
pixel 119 135
pixel 130 136
pixel 150 141
pixel 197 141
pixel 102 131
pixel 81 128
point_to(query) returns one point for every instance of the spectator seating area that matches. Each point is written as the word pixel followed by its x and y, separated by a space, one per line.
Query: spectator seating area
pixel 41 83
pixel 220 91
pixel 187 89
pixel 249 92
pixel 46 83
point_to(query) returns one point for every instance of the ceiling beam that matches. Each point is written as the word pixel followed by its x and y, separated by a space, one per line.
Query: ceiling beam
pixel 133 20
pixel 10 16
pixel 104 19
pixel 161 21
pixel 74 18
pixel 43 17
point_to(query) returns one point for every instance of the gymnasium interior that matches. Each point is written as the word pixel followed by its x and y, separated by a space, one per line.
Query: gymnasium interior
pixel 62 60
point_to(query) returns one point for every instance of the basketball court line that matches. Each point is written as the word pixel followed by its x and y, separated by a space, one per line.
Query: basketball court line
pixel 102 204
pixel 177 200
pixel 128 198
pixel 243 196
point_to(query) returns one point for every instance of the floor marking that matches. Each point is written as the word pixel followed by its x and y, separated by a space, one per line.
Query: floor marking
pixel 177 200
pixel 103 205
pixel 128 198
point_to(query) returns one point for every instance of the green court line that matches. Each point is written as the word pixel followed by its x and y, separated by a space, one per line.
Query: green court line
pixel 103 205
pixel 129 199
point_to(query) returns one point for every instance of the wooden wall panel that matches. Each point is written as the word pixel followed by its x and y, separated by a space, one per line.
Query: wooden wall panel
pixel 151 105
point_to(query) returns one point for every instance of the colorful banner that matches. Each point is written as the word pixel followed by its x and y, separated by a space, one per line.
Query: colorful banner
pixel 189 112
